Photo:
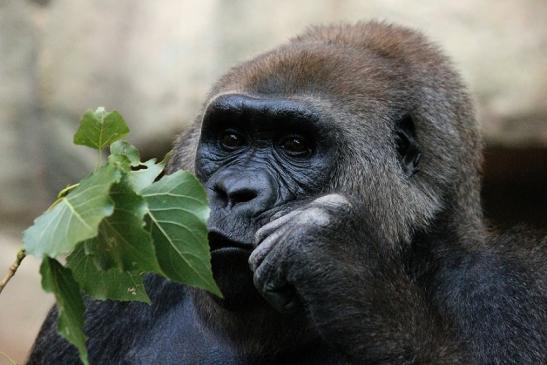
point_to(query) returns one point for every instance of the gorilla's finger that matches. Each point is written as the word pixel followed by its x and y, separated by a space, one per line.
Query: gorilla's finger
pixel 270 281
pixel 264 248
pixel 267 230
pixel 333 201
pixel 282 212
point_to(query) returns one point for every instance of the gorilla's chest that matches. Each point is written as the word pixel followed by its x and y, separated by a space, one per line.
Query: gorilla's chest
pixel 177 338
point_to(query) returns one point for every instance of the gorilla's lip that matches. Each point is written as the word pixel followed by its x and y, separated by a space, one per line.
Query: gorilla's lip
pixel 220 242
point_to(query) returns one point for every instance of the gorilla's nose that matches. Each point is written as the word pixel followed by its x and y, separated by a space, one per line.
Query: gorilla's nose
pixel 245 193
pixel 238 192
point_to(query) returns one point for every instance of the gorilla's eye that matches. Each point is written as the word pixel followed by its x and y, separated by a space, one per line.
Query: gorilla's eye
pixel 231 140
pixel 296 146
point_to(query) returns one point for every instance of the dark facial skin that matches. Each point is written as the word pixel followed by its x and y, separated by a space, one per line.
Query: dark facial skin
pixel 255 156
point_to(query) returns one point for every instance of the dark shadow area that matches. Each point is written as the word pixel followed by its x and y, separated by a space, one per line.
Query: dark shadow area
pixel 515 186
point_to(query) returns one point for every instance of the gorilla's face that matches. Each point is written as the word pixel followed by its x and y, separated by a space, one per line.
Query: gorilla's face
pixel 321 118
pixel 256 156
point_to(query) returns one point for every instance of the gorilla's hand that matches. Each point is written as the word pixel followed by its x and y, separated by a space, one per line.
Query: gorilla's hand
pixel 296 252
pixel 324 257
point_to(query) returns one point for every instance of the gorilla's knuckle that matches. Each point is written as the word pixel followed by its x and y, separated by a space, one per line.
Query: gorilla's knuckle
pixel 334 200
pixel 313 216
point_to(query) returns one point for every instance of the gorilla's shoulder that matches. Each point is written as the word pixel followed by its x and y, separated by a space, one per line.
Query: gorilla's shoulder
pixel 523 244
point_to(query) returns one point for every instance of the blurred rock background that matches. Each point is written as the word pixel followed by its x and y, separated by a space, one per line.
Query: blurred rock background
pixel 154 60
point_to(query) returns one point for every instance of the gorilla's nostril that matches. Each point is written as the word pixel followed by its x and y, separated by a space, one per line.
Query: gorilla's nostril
pixel 221 195
pixel 242 196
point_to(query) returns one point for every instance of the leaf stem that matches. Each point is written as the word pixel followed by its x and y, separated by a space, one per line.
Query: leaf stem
pixel 99 158
pixel 13 269
pixel 62 194
pixel 67 190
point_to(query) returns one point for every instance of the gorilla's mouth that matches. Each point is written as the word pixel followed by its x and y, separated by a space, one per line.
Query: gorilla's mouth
pixel 229 261
pixel 221 243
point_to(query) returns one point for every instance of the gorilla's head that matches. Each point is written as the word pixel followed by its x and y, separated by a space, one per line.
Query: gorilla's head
pixel 371 111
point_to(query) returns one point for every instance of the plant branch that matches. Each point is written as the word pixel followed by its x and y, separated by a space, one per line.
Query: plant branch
pixel 13 269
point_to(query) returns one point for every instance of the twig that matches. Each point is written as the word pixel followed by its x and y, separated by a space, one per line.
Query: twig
pixel 10 360
pixel 13 269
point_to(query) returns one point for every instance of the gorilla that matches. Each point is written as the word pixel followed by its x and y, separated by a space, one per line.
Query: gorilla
pixel 343 173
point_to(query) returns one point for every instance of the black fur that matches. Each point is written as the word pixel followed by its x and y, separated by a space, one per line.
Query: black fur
pixel 360 241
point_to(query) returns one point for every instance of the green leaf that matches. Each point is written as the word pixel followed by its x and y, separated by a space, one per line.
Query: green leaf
pixel 142 178
pixel 121 162
pixel 111 284
pixel 123 148
pixel 58 280
pixel 178 215
pixel 98 129
pixel 74 218
pixel 122 242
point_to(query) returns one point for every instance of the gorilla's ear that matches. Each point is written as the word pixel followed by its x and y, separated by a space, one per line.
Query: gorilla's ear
pixel 407 147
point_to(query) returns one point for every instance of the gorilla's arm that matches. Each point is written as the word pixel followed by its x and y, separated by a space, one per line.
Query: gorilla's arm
pixel 359 297
pixel 481 305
